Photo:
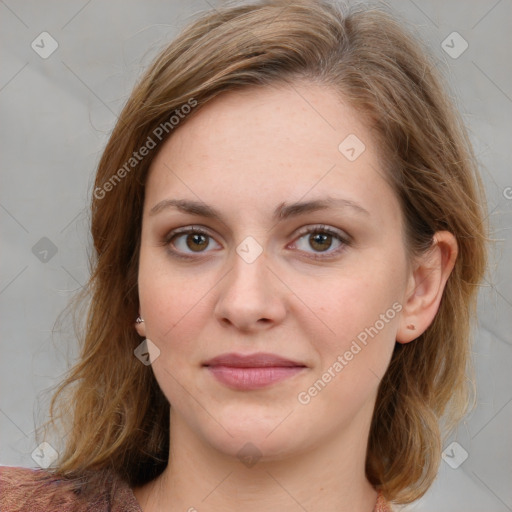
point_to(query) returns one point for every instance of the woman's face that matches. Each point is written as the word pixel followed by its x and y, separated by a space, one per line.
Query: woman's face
pixel 297 263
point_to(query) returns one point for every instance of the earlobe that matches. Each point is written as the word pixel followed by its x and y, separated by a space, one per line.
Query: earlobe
pixel 426 286
pixel 140 326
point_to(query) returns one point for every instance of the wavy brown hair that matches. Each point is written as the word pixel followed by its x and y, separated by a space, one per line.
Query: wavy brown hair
pixel 115 415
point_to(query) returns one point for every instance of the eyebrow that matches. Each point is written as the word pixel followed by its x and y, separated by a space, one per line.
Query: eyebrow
pixel 282 212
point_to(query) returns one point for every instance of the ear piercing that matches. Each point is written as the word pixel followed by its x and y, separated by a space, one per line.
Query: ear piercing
pixel 411 327
pixel 139 320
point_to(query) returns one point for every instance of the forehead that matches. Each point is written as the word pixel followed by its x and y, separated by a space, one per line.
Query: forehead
pixel 303 119
pixel 260 146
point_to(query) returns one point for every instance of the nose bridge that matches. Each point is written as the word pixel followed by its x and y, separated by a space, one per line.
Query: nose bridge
pixel 249 275
pixel 248 295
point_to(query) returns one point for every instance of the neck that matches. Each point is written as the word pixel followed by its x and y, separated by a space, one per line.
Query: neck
pixel 328 477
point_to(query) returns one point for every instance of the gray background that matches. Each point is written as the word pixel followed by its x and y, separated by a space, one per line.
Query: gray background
pixel 56 116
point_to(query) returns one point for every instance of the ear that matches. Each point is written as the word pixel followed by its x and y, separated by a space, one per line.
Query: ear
pixel 140 328
pixel 426 286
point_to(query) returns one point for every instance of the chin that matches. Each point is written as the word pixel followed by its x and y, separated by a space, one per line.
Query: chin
pixel 251 447
pixel 266 438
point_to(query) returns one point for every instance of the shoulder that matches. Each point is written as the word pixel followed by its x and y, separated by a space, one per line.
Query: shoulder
pixel 37 490
pixel 382 504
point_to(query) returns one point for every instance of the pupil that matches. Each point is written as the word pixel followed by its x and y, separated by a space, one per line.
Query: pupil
pixel 317 239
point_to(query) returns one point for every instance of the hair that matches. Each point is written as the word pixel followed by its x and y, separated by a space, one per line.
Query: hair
pixel 115 411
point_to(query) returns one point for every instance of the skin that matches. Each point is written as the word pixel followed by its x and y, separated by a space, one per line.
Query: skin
pixel 245 153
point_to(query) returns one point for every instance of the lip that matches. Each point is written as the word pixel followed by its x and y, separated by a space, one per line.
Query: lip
pixel 252 371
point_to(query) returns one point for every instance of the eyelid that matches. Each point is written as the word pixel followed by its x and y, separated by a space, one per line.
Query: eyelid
pixel 192 229
pixel 323 228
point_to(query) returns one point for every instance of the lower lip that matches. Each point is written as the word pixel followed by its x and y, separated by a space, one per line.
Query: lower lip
pixel 252 378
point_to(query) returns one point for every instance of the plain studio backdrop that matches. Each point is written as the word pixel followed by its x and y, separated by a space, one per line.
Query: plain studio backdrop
pixel 68 68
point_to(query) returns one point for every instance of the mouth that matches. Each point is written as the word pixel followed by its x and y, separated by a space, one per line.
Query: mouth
pixel 253 371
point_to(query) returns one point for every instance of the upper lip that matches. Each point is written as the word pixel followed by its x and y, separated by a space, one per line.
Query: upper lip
pixel 260 359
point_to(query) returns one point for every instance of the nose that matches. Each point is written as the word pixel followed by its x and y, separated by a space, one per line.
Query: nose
pixel 251 297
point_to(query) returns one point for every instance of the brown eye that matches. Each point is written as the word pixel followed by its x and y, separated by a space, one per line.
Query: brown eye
pixel 320 241
pixel 197 242
pixel 189 241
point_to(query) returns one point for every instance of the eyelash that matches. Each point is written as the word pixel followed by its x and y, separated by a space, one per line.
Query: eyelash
pixel 319 229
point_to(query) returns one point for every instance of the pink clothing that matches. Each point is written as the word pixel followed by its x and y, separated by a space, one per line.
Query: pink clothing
pixel 36 490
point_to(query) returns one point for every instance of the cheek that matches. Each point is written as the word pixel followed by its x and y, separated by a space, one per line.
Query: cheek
pixel 354 357
pixel 356 300
pixel 168 299
pixel 171 309
pixel 357 313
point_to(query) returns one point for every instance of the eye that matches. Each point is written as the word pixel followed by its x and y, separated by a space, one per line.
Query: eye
pixel 189 241
pixel 321 239
pixel 325 242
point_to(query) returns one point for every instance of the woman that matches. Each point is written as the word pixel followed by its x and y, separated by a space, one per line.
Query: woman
pixel 289 226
